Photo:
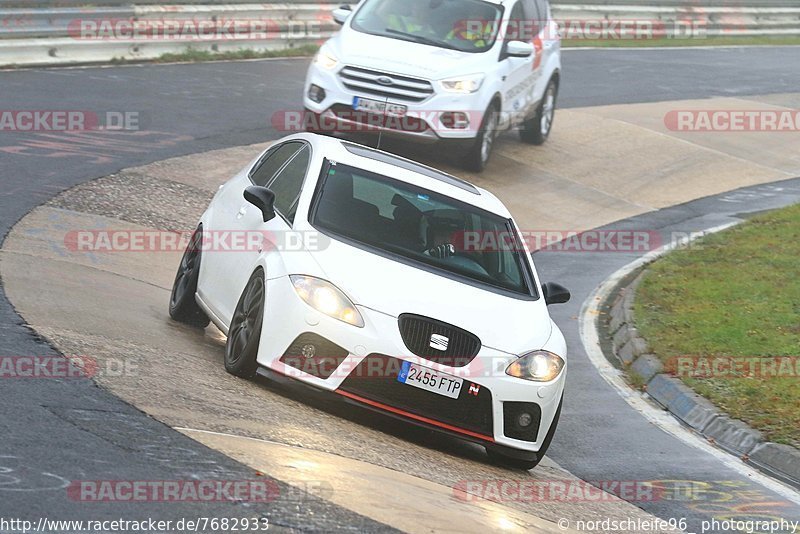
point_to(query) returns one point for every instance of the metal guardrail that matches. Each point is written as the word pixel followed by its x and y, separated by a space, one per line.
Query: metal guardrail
pixel 49 32
pixel 52 22
pixel 55 21
pixel 53 34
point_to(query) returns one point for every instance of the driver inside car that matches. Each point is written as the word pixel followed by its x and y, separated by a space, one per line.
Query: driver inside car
pixel 473 28
pixel 442 234
pixel 405 16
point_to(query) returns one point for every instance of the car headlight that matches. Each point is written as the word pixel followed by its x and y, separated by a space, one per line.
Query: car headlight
pixel 326 298
pixel 464 84
pixel 325 60
pixel 539 366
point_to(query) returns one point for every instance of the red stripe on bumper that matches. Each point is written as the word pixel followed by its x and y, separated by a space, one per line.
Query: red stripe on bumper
pixel 414 416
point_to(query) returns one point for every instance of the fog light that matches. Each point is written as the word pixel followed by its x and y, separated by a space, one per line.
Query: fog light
pixel 308 351
pixel 521 420
pixel 316 93
pixel 525 419
pixel 455 120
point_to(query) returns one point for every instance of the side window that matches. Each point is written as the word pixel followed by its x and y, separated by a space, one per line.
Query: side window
pixel 534 18
pixel 516 24
pixel 273 162
pixel 288 183
pixel 544 11
pixel 374 193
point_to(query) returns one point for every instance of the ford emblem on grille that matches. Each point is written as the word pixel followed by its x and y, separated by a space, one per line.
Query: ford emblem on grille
pixel 385 80
pixel 439 342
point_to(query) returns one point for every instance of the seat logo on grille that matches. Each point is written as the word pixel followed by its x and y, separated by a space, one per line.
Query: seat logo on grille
pixel 439 342
pixel 385 80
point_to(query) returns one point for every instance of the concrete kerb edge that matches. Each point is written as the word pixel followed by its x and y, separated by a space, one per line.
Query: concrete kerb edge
pixel 630 351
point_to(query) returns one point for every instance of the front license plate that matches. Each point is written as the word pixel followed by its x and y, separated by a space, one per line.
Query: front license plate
pixel 376 106
pixel 430 380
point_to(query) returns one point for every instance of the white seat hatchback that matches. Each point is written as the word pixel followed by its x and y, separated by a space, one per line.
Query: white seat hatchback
pixel 385 283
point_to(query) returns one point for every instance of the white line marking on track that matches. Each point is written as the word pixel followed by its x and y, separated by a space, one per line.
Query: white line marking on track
pixel 637 400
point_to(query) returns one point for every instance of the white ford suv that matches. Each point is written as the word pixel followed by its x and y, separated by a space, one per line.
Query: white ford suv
pixel 386 284
pixel 439 70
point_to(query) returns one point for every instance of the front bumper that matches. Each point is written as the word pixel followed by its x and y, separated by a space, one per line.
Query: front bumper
pixel 328 113
pixel 363 364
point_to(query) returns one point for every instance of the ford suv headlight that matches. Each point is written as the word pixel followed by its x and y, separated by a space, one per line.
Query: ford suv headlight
pixel 326 298
pixel 325 60
pixel 463 84
pixel 538 366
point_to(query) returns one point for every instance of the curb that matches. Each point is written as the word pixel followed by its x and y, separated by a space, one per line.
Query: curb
pixel 734 436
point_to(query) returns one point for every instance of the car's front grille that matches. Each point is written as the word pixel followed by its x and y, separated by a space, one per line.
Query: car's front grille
pixel 385 85
pixel 375 379
pixel 437 341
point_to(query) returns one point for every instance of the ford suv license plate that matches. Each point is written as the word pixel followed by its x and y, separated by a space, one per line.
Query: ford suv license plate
pixel 381 108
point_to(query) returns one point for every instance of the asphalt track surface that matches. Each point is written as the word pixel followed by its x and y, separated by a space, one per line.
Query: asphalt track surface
pixel 58 431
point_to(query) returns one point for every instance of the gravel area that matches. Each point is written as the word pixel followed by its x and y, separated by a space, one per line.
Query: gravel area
pixel 135 197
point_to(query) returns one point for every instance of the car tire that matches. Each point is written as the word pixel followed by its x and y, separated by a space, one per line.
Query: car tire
pixel 478 155
pixel 498 458
pixel 536 130
pixel 244 334
pixel 183 306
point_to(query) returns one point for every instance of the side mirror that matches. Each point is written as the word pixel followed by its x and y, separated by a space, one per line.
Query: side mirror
pixel 341 14
pixel 555 293
pixel 263 199
pixel 519 49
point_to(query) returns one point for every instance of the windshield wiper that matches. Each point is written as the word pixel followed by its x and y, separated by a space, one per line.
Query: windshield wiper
pixel 421 39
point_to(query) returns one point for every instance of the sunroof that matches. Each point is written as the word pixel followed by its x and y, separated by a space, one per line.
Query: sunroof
pixel 384 157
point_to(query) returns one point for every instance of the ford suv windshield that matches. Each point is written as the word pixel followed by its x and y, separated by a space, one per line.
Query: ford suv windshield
pixel 465 25
pixel 400 220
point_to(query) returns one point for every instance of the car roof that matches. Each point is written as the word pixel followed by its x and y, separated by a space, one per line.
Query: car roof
pixel 405 163
pixel 405 170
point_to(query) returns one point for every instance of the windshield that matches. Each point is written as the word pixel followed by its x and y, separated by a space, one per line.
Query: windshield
pixel 465 25
pixel 419 225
